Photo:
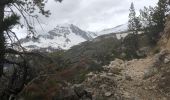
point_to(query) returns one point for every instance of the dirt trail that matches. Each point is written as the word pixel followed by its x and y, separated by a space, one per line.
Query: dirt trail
pixel 129 80
pixel 135 87
pixel 136 68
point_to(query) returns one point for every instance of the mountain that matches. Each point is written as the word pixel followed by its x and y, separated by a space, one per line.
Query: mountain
pixel 119 31
pixel 67 35
pixel 61 37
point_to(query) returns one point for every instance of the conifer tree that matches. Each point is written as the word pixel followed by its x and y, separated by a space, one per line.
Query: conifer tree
pixel 9 18
pixel 133 23
pixel 154 20
pixel 148 27
pixel 132 14
pixel 159 15
pixel 10 13
pixel 131 41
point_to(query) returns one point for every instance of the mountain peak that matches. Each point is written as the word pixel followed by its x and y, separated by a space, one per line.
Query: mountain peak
pixel 63 36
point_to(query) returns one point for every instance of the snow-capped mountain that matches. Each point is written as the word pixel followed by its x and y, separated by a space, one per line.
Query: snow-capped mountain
pixel 119 31
pixel 67 35
pixel 61 37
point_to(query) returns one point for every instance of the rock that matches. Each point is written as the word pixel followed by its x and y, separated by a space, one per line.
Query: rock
pixel 119 78
pixel 163 56
pixel 163 52
pixel 81 92
pixel 166 60
pixel 157 59
pixel 122 66
pixel 150 72
pixel 127 77
pixel 108 94
pixel 90 74
pixel 103 86
pixel 110 74
pixel 145 88
pixel 126 95
pixel 116 71
pixel 116 63
pixel 138 84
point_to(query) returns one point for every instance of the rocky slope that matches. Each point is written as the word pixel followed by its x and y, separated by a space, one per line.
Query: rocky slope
pixel 138 79
pixel 130 80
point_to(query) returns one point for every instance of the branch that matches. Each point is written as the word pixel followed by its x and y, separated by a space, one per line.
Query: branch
pixel 33 16
pixel 9 37
pixel 11 62
pixel 17 40
pixel 21 12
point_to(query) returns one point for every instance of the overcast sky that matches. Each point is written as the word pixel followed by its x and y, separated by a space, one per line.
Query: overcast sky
pixel 92 15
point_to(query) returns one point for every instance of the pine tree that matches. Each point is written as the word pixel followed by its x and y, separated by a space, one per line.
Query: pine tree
pixel 8 19
pixel 132 14
pixel 154 19
pixel 159 16
pixel 133 23
pixel 146 16
pixel 131 41
pixel 131 46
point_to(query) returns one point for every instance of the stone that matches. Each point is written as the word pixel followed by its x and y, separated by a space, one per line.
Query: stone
pixel 81 92
pixel 145 88
pixel 108 94
pixel 150 72
pixel 90 74
pixel 138 84
pixel 127 77
pixel 103 86
pixel 110 74
pixel 126 94
pixel 166 60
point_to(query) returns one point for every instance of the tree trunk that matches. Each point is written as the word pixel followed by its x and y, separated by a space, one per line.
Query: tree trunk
pixel 2 40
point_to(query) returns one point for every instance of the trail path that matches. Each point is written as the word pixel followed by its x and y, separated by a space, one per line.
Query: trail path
pixel 137 88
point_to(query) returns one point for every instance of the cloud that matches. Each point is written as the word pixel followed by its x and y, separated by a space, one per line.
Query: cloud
pixel 93 15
